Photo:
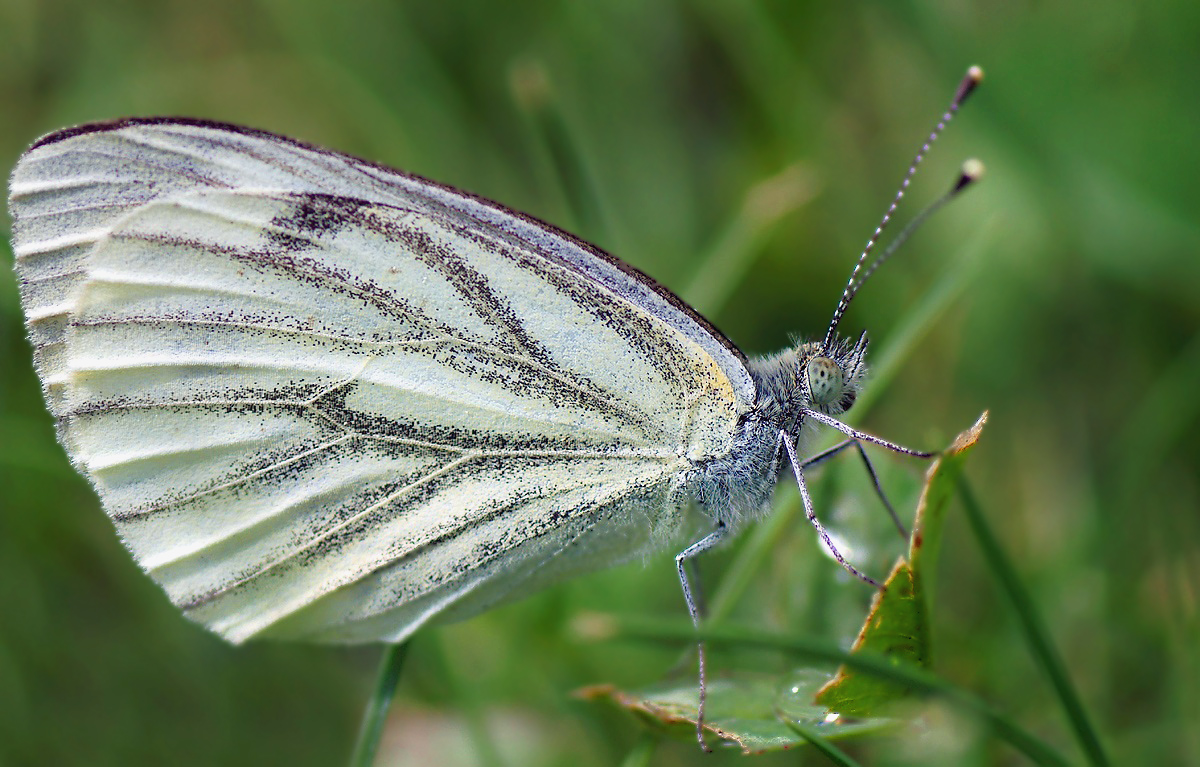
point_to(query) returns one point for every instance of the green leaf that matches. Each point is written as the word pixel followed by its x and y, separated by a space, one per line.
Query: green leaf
pixel 897 626
pixel 753 712
pixel 922 682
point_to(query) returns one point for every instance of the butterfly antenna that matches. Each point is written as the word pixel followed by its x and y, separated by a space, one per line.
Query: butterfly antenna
pixel 858 276
pixel 971 171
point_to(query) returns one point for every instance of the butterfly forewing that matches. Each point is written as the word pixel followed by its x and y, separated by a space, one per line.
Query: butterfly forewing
pixel 320 398
pixel 72 185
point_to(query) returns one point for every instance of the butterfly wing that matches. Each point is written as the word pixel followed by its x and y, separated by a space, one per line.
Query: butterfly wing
pixel 324 399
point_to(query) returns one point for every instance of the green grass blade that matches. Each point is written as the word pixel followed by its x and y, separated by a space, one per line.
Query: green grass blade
pixel 374 717
pixel 822 744
pixel 752 555
pixel 739 245
pixel 1036 634
pixel 924 315
pixel 555 138
pixel 642 753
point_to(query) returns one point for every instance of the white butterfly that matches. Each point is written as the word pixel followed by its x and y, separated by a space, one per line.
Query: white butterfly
pixel 324 399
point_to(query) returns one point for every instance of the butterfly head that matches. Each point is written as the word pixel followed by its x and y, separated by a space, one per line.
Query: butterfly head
pixel 832 373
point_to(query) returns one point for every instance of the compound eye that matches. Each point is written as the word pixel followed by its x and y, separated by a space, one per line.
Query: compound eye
pixel 825 380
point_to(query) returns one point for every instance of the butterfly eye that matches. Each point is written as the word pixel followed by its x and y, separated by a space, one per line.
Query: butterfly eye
pixel 825 380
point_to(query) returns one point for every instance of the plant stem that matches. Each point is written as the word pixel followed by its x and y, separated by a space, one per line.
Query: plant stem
pixel 377 707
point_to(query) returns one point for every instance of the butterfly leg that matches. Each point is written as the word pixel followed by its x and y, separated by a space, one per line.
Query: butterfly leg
pixel 839 447
pixel 854 433
pixel 695 609
pixel 789 445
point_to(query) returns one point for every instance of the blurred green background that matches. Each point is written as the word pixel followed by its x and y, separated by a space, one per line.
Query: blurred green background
pixel 740 153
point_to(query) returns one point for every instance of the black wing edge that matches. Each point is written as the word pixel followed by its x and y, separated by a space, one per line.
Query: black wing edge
pixel 637 274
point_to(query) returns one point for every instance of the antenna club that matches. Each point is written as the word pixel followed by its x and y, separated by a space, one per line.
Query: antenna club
pixel 972 170
pixel 969 83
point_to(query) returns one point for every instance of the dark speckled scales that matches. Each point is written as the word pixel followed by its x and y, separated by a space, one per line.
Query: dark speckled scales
pixel 324 399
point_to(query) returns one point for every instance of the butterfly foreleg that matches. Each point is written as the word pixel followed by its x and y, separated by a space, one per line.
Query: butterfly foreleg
pixel 825 455
pixel 789 446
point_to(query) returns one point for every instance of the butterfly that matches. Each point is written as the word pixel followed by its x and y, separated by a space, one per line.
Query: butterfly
pixel 323 399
